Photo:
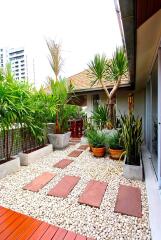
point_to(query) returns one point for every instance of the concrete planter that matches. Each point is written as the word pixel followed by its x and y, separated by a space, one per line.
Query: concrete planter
pixel 27 158
pixel 9 167
pixel 133 172
pixel 59 141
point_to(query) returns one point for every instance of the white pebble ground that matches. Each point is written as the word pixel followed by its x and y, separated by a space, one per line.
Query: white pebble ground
pixel 100 223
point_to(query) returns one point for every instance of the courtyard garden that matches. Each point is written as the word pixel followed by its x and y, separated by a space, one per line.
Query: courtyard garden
pixel 92 185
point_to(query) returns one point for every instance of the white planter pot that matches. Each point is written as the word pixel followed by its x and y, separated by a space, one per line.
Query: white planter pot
pixel 9 167
pixel 133 172
pixel 27 158
pixel 59 141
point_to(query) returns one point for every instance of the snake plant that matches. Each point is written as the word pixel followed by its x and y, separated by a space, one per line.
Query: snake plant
pixel 132 137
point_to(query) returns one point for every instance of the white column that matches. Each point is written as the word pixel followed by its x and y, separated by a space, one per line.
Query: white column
pixel 159 117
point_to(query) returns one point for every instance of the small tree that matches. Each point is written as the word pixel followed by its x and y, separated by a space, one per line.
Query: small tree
pixel 101 69
pixel 56 63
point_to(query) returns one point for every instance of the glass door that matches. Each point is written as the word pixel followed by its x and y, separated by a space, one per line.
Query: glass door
pixel 154 116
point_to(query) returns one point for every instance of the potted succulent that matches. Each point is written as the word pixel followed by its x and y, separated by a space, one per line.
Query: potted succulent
pixel 115 145
pixel 132 139
pixel 97 141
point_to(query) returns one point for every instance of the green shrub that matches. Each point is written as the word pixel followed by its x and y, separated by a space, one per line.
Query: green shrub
pixel 96 139
pixel 114 141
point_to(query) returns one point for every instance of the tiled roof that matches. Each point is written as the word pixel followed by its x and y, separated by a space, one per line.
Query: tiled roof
pixel 82 82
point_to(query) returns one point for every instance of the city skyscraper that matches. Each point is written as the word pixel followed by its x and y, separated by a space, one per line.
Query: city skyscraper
pixel 18 60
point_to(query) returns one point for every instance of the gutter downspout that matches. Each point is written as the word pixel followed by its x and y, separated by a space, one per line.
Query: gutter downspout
pixel 120 22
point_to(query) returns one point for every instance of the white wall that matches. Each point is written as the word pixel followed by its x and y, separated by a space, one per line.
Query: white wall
pixel 122 103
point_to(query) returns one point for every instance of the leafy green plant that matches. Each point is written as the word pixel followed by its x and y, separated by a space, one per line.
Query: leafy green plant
pixel 101 116
pixel 101 69
pixel 132 137
pixel 96 139
pixel 62 93
pixel 114 141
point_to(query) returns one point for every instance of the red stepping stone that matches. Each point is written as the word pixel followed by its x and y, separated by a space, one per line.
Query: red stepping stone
pixel 39 182
pixel 64 187
pixel 129 201
pixel 72 143
pixel 63 163
pixel 75 153
pixel 93 193
pixel 83 147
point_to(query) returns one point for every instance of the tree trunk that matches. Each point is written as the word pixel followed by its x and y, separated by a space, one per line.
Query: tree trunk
pixel 57 128
pixel 111 105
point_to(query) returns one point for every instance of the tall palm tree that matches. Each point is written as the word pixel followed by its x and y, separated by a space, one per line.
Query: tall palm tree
pixel 55 58
pixel 102 69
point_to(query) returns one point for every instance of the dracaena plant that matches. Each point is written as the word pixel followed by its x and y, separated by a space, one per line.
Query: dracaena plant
pixel 132 137
pixel 102 69
pixel 101 116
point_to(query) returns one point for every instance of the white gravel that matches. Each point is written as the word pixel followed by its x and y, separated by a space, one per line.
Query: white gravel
pixel 102 223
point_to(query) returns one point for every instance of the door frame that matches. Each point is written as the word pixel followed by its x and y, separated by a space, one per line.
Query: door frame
pixel 159 117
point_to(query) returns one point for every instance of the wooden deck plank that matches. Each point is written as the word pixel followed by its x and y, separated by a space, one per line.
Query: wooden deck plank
pixel 80 237
pixel 5 216
pixel 12 227
pixel 18 231
pixel 40 231
pixel 39 182
pixel 9 221
pixel 70 236
pixel 64 187
pixel 26 235
pixel 51 231
pixel 60 234
pixel 3 211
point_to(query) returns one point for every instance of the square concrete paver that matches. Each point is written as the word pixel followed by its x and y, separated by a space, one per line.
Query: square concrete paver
pixel 63 163
pixel 93 193
pixel 39 182
pixel 129 201
pixel 64 187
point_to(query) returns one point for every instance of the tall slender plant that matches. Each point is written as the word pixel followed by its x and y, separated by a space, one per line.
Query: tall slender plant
pixel 102 69
pixel 56 63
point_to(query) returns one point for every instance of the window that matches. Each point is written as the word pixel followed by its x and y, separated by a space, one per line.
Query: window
pixel 96 100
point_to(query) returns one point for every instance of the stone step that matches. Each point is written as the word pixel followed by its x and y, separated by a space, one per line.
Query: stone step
pixel 75 153
pixel 129 201
pixel 63 163
pixel 64 187
pixel 93 193
pixel 39 182
pixel 83 147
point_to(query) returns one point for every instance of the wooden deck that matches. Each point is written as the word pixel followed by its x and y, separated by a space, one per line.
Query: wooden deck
pixel 14 225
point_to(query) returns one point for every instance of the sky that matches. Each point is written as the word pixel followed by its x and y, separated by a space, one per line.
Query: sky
pixel 83 27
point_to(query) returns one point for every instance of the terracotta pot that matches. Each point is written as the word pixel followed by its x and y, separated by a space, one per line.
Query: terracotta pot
pixel 99 152
pixel 90 147
pixel 115 153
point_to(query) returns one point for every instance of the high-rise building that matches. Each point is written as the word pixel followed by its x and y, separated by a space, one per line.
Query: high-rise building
pixel 18 60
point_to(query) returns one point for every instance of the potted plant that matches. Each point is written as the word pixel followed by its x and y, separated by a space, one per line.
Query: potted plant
pixel 61 136
pixel 97 141
pixel 115 145
pixel 132 139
